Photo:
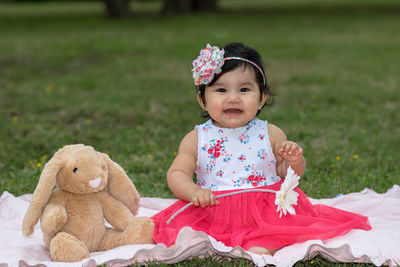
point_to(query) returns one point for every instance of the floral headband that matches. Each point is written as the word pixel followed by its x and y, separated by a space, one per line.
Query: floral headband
pixel 210 62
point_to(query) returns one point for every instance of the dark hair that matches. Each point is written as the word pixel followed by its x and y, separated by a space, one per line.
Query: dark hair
pixel 243 51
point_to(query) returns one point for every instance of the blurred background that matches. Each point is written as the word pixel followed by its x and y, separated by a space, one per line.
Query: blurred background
pixel 117 75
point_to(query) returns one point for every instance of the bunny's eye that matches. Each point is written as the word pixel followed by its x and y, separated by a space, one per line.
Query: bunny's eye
pixel 75 170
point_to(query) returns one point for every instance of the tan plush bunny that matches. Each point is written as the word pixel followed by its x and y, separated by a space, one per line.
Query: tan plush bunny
pixel 90 188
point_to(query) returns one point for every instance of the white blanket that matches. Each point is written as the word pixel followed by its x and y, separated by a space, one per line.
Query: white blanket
pixel 381 245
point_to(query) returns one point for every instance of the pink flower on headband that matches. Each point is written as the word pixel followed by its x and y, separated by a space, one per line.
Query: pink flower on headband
pixel 207 64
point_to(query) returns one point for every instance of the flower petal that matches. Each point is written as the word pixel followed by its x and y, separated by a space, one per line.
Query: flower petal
pixel 286 197
pixel 207 64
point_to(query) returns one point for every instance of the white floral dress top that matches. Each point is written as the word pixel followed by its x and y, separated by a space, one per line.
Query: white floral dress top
pixel 235 158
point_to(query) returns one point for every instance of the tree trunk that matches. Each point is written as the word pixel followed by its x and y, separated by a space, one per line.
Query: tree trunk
pixel 117 8
pixel 189 6
pixel 205 5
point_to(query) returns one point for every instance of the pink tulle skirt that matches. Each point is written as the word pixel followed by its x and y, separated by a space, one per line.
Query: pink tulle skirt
pixel 250 219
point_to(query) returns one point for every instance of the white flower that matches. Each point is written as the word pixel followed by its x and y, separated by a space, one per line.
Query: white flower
pixel 287 197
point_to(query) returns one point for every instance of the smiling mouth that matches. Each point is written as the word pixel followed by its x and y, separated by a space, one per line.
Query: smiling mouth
pixel 233 111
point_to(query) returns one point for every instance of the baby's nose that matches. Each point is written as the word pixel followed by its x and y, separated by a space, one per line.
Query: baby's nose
pixel 233 97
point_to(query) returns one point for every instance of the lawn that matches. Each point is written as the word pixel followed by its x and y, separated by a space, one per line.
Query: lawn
pixel 70 75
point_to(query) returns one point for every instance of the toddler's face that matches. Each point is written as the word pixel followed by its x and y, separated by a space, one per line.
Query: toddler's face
pixel 234 99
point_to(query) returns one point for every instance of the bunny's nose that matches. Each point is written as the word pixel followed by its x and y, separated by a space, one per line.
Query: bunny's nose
pixel 95 182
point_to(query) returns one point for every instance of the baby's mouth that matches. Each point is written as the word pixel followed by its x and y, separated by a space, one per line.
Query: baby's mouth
pixel 232 111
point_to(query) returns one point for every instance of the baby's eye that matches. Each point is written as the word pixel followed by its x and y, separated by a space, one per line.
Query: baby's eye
pixel 75 170
pixel 221 90
pixel 244 89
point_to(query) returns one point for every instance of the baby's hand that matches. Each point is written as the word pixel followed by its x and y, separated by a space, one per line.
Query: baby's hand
pixel 203 197
pixel 290 151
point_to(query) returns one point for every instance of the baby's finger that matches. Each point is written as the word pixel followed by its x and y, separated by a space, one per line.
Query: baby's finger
pixel 195 201
pixel 299 151
pixel 282 151
pixel 283 146
pixel 217 202
pixel 292 149
pixel 214 201
pixel 211 198
pixel 205 200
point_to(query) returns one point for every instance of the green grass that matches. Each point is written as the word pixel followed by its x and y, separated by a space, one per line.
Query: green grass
pixel 70 75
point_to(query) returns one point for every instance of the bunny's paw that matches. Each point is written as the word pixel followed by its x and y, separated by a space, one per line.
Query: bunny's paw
pixel 67 248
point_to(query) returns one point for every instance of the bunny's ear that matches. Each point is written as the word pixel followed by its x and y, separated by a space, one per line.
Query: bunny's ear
pixel 120 186
pixel 42 194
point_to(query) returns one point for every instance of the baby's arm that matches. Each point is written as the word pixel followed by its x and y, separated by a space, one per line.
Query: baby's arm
pixel 287 153
pixel 180 174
